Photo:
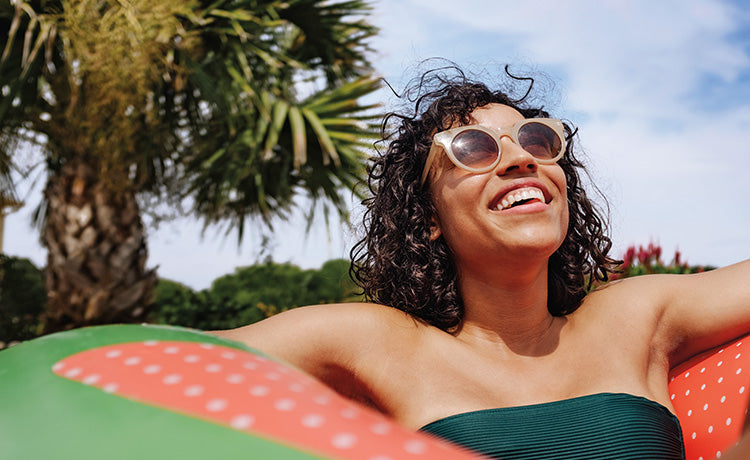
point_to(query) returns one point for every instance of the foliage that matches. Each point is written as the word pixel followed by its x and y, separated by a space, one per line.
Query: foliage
pixel 645 260
pixel 252 293
pixel 218 101
pixel 230 107
pixel 22 299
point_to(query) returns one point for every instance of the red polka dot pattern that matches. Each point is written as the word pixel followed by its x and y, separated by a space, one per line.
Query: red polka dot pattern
pixel 252 394
pixel 710 395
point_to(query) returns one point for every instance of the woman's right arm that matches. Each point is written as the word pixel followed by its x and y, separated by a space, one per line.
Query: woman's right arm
pixel 330 342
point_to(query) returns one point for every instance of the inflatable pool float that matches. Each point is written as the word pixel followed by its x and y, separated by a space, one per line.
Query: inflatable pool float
pixel 154 392
pixel 710 396
pixel 147 392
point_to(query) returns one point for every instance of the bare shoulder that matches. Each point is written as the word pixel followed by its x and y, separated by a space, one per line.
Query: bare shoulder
pixel 317 337
pixel 686 313
pixel 627 313
pixel 641 295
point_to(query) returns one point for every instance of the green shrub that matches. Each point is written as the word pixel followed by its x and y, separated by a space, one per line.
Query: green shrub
pixel 251 294
pixel 22 299
pixel 645 260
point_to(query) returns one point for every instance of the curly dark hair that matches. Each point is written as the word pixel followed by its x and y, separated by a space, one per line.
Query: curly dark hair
pixel 396 264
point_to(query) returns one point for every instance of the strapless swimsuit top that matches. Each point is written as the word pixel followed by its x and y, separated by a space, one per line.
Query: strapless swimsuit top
pixel 598 426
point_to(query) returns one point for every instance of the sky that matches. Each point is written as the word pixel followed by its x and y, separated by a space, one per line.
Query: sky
pixel 660 92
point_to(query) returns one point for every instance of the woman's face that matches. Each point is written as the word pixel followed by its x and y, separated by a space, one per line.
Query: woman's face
pixel 499 213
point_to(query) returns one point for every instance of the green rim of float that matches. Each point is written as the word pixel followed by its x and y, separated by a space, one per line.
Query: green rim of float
pixel 45 416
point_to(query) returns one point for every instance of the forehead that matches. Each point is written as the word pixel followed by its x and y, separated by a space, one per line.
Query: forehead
pixel 497 115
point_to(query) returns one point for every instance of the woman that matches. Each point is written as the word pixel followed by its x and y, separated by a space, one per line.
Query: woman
pixel 482 240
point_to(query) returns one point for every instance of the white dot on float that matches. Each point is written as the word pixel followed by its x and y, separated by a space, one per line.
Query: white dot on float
pixel 721 379
pixel 75 372
pixel 738 344
pixel 703 387
pixel 110 387
pixel 687 374
pixel 132 361
pixel 58 365
pixel 718 454
pixel 242 421
pixel 285 404
pixel 296 387
pixel 719 363
pixel 172 379
pixel 259 390
pixel 228 355
pixel 191 358
pixel 250 365
pixel 152 369
pixel 344 441
pixel 313 421
pixel 172 350
pixel 235 378
pixel 213 368
pixel 381 428
pixel 710 429
pixel 113 354
pixel 705 407
pixel 742 389
pixel 323 400
pixel 216 405
pixel 687 392
pixel 738 356
pixel 690 412
pixel 729 421
pixel 193 390
pixel 739 371
pixel 91 379
pixel 273 376
pixel 672 397
pixel 723 398
pixel 349 413
pixel 206 346
pixel 381 457
pixel 703 370
pixel 415 447
pixel 151 343
pixel 694 435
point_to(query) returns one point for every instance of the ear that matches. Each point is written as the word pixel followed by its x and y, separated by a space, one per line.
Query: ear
pixel 435 231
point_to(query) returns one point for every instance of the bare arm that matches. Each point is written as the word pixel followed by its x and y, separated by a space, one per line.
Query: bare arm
pixel 703 310
pixel 334 343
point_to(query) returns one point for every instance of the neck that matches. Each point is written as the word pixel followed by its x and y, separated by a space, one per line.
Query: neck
pixel 507 309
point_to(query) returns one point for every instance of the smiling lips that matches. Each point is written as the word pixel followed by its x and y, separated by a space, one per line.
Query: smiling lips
pixel 519 197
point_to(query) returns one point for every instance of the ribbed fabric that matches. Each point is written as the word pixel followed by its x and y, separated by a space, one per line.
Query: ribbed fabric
pixel 598 426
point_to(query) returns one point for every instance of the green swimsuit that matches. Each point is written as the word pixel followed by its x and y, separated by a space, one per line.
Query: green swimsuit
pixel 598 426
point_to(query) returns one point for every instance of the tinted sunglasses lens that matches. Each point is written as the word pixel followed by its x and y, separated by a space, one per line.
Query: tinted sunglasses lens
pixel 539 140
pixel 475 149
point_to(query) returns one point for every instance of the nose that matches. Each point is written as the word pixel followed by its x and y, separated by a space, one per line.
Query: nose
pixel 514 158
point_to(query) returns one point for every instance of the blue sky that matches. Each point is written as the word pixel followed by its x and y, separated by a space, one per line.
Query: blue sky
pixel 659 90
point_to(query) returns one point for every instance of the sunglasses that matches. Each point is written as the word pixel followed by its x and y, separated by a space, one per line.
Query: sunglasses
pixel 476 148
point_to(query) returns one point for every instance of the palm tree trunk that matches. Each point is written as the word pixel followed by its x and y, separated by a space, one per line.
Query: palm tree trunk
pixel 96 258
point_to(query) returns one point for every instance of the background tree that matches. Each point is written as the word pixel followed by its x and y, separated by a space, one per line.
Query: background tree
pixel 251 294
pixel 232 105
pixel 22 299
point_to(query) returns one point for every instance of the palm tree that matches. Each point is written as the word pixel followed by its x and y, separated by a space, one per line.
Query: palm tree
pixel 236 106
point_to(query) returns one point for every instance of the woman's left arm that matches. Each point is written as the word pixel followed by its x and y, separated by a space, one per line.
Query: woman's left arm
pixel 703 310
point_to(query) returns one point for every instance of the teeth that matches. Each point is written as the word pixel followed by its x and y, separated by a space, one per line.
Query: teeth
pixel 520 195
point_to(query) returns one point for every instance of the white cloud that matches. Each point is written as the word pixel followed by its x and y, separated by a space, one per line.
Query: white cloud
pixel 630 72
pixel 632 78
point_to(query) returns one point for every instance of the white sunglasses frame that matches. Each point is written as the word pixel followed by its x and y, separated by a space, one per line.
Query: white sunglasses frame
pixel 445 138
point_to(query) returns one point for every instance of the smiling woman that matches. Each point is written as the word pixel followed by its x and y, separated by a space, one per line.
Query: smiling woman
pixel 478 258
pixel 432 296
